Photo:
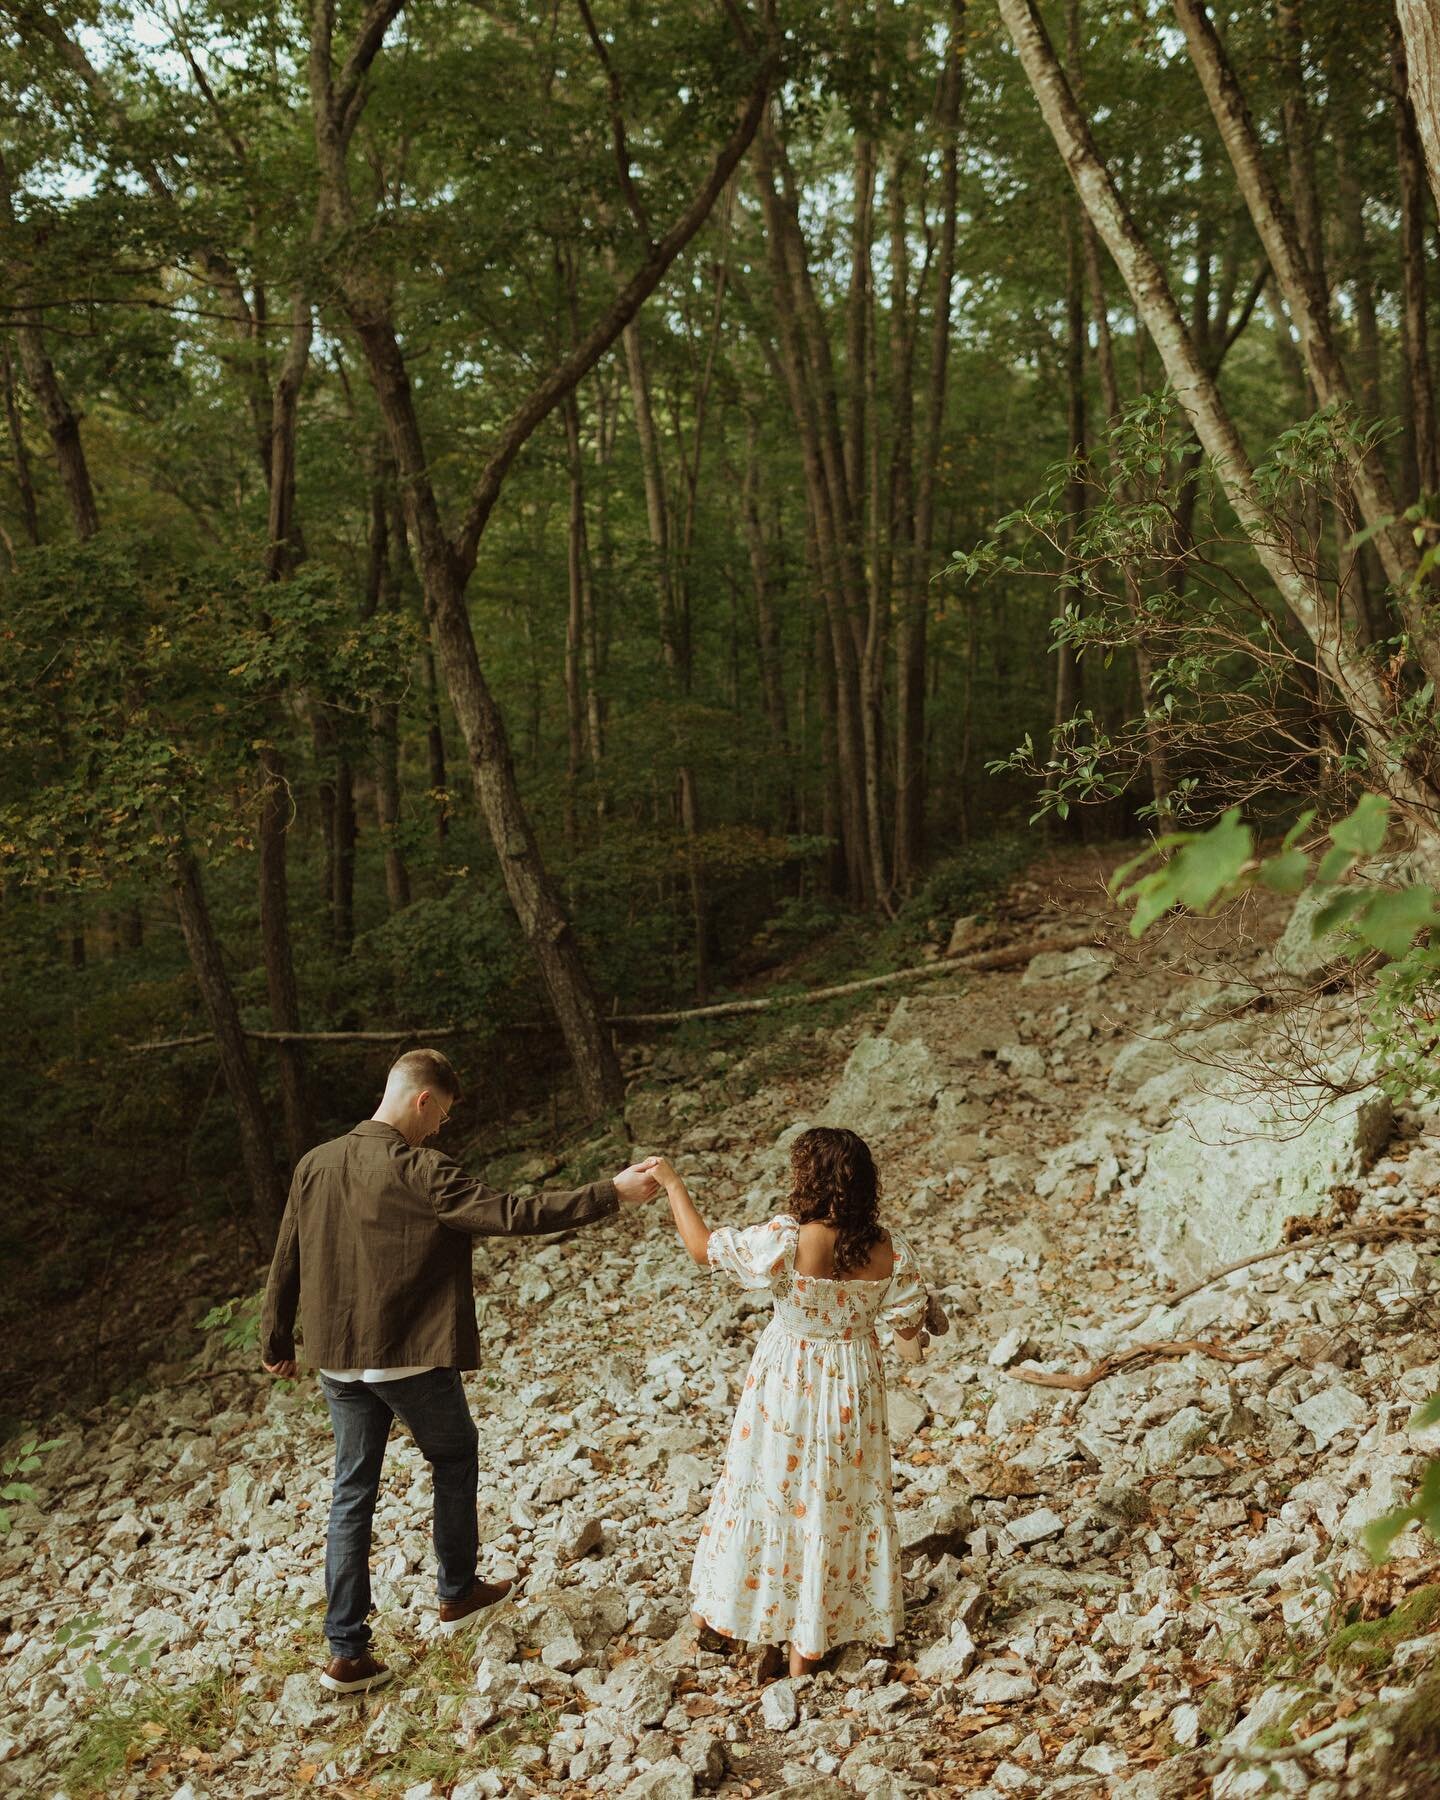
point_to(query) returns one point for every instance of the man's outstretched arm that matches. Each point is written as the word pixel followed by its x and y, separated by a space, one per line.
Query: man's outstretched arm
pixel 464 1203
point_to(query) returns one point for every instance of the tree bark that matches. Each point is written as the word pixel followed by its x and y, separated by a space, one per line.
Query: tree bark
pixel 1067 664
pixel 1420 27
pixel 1419 418
pixel 275 812
pixel 574 620
pixel 805 360
pixel 24 482
pixel 913 611
pixel 674 640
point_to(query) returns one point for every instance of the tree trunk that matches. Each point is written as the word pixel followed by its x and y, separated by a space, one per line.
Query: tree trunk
pixel 812 402
pixel 275 815
pixel 1307 305
pixel 1420 27
pixel 1067 665
pixel 24 482
pixel 1156 753
pixel 574 621
pixel 382 595
pixel 1357 682
pixel 913 611
pixel 768 653
pixel 1419 416
pixel 674 639
pixel 266 1192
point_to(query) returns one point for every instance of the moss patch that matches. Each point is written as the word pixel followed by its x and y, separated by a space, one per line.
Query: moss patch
pixel 1371 1645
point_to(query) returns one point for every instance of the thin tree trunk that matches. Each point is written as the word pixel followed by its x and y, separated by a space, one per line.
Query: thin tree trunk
pixel 1419 416
pixel 1067 666
pixel 24 482
pixel 913 612
pixel 862 426
pixel 342 894
pixel 275 815
pixel 284 551
pixel 574 621
pixel 824 483
pixel 266 1193
pixel 674 640
pixel 1156 754
pixel 1420 27
pixel 767 630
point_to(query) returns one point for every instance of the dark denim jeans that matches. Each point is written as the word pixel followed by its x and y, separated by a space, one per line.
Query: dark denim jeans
pixel 433 1408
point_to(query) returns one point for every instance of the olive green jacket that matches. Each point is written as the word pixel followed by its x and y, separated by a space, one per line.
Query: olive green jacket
pixel 374 1253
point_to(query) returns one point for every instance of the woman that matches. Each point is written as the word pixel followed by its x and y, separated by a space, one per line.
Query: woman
pixel 799 1544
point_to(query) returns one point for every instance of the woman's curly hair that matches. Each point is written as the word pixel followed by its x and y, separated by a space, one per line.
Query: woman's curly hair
pixel 833 1180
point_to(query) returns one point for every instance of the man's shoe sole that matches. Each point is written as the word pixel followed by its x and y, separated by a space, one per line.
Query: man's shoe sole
pixel 357 1687
pixel 448 1627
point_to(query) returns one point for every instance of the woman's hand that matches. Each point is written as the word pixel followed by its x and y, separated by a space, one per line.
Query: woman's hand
pixel 664 1172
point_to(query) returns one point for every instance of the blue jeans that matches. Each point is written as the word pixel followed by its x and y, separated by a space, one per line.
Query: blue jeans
pixel 433 1408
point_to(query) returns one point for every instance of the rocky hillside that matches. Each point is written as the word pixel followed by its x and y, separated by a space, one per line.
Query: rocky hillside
pixel 1137 1575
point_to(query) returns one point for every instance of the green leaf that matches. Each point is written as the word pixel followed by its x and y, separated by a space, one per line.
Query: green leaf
pixel 1380 1534
pixel 1428 1414
pixel 1391 920
pixel 1363 831
pixel 1285 873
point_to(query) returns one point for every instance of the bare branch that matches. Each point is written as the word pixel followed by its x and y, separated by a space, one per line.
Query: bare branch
pixel 617 122
pixel 348 99
pixel 627 303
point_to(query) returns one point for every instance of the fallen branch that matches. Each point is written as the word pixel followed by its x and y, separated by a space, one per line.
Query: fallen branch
pixel 1127 1359
pixel 981 961
pixel 398 1035
pixel 1368 1230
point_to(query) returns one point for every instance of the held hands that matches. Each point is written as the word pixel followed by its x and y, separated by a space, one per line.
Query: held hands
pixel 289 1370
pixel 639 1183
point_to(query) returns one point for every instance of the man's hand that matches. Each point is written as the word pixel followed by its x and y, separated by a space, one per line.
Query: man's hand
pixel 288 1369
pixel 637 1184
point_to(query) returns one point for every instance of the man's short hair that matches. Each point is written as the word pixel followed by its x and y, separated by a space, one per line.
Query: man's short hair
pixel 418 1069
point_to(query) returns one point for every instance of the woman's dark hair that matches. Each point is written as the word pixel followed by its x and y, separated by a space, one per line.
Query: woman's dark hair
pixel 833 1181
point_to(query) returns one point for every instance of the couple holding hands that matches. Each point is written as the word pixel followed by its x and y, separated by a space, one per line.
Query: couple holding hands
pixel 799 1545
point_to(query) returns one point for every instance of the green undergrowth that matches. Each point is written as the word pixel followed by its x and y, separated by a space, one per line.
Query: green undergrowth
pixel 170 1729
pixel 1371 1643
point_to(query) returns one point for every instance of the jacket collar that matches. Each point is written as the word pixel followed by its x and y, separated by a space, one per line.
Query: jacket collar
pixel 377 1128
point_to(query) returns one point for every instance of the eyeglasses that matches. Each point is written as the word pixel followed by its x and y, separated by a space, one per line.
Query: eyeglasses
pixel 444 1116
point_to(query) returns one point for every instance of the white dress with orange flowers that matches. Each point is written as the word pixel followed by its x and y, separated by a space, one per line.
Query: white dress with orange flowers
pixel 799 1544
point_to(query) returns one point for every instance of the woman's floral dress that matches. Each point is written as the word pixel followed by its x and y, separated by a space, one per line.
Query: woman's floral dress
pixel 799 1543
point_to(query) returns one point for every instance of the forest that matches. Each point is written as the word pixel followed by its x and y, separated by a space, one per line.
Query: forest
pixel 513 515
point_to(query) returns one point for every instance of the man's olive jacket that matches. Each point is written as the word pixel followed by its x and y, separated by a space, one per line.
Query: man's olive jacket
pixel 374 1253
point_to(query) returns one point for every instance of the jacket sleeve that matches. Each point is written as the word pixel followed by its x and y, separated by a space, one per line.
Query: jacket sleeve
pixel 282 1290
pixel 464 1203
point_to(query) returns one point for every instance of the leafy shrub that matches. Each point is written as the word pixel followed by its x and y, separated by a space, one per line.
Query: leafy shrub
pixel 23 1460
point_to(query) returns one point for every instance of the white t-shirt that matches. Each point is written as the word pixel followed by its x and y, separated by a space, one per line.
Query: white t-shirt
pixel 376 1374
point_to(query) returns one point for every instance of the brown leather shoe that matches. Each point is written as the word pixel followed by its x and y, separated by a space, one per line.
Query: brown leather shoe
pixel 354 1674
pixel 456 1614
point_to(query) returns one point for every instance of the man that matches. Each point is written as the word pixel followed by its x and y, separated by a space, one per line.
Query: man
pixel 374 1252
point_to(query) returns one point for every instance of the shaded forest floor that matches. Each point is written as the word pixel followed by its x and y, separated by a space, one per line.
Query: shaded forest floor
pixel 1149 1588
